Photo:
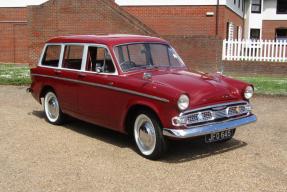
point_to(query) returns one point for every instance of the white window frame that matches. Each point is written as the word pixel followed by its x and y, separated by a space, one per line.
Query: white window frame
pixel 84 57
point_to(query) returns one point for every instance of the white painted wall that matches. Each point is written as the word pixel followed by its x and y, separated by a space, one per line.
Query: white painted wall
pixel 229 3
pixel 234 7
pixel 253 20
pixel 167 2
pixel 270 9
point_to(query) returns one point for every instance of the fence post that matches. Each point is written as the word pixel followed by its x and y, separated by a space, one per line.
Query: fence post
pixel 284 51
pixel 265 50
pixel 224 50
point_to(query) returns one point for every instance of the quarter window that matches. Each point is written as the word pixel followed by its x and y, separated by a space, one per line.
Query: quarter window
pixel 256 6
pixel 73 57
pixel 51 56
pixel 281 7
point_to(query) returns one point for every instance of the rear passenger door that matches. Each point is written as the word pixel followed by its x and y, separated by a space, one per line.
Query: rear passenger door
pixel 68 74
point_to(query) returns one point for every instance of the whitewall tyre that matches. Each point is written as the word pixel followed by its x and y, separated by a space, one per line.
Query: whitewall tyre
pixel 54 114
pixel 148 136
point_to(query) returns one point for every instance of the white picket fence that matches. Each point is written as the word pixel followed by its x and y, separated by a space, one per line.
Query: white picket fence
pixel 254 50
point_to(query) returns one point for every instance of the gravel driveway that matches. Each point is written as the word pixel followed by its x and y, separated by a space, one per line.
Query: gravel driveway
pixel 37 156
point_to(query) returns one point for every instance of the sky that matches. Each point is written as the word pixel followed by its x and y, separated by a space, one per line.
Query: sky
pixel 20 3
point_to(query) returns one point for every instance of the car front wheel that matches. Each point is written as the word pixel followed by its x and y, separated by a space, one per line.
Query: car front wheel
pixel 52 109
pixel 148 135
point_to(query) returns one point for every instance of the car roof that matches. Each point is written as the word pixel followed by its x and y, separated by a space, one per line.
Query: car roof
pixel 106 39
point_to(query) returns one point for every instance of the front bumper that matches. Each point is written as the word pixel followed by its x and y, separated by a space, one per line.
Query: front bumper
pixel 208 129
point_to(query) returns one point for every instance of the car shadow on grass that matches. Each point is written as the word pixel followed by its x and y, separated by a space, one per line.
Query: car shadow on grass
pixel 178 152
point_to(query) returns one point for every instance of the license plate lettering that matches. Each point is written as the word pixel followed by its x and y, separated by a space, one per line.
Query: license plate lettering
pixel 218 136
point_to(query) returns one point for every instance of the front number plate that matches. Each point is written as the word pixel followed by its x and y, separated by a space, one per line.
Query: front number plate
pixel 219 136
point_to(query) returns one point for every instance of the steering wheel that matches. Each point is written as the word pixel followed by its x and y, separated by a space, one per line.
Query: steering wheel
pixel 127 65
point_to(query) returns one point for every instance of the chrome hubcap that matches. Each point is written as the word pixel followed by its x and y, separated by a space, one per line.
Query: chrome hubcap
pixel 145 135
pixel 52 107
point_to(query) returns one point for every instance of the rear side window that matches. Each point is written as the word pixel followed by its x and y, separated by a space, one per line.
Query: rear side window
pixel 73 57
pixel 51 56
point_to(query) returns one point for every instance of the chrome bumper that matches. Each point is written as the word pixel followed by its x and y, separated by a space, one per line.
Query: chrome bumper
pixel 208 129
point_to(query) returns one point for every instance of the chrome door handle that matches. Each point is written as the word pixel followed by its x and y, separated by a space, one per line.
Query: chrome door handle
pixel 58 72
pixel 111 83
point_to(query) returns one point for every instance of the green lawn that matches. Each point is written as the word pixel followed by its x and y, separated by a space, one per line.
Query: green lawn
pixel 11 74
pixel 267 85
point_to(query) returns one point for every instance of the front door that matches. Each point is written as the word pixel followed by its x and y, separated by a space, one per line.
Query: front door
pixel 97 98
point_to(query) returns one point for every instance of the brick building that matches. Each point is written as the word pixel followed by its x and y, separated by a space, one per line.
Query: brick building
pixel 195 28
pixel 13 35
pixel 266 19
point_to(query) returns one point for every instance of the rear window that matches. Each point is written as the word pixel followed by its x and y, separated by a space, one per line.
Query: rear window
pixel 51 56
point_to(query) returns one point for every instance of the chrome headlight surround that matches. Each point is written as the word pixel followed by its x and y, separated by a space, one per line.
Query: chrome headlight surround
pixel 248 92
pixel 183 102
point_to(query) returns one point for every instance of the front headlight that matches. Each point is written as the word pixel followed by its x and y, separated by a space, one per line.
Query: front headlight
pixel 248 93
pixel 183 102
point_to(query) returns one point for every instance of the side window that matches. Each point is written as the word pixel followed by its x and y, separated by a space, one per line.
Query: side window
pixel 51 56
pixel 99 60
pixel 73 56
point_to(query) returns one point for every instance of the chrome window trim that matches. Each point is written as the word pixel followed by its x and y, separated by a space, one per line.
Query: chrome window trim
pixel 105 86
pixel 64 45
pixel 84 58
pixel 43 52
pixel 107 48
pixel 212 106
pixel 136 42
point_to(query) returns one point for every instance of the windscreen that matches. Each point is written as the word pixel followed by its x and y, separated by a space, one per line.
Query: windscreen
pixel 141 55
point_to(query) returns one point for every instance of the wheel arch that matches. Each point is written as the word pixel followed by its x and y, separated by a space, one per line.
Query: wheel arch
pixel 131 112
pixel 44 90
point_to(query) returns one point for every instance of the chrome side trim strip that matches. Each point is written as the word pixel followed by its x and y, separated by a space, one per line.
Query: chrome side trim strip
pixel 208 129
pixel 105 86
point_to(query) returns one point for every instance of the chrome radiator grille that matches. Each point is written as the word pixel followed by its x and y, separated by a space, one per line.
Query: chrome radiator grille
pixel 215 113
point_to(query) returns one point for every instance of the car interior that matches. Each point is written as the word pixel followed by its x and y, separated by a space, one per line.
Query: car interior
pixel 99 60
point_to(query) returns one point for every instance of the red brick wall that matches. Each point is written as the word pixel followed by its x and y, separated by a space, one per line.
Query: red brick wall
pixel 13 35
pixel 63 17
pixel 269 28
pixel 227 15
pixel 13 14
pixel 255 68
pixel 198 53
pixel 185 20
pixel 176 20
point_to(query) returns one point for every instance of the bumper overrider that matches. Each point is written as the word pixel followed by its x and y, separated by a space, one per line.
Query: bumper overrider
pixel 208 129
pixel 210 119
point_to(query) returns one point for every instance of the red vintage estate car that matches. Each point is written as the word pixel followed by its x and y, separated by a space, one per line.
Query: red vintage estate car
pixel 137 85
